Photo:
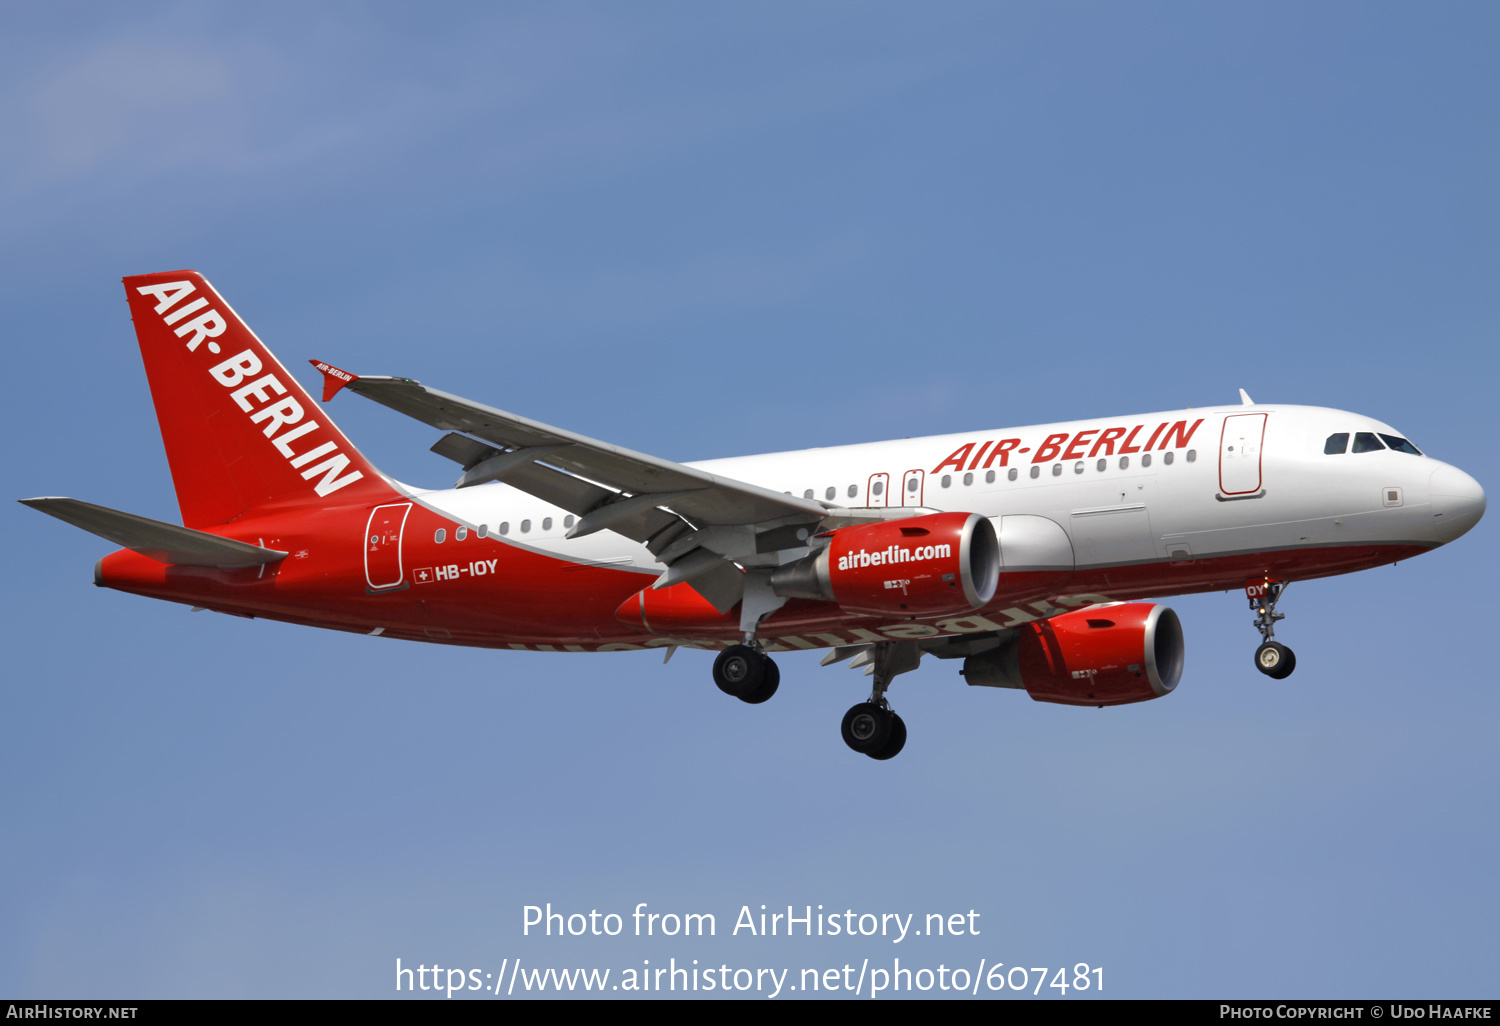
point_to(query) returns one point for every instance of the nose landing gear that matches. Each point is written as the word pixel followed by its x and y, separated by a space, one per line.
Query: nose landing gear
pixel 1272 658
pixel 870 727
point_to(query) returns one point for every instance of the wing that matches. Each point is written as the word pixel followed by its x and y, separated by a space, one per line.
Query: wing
pixel 674 509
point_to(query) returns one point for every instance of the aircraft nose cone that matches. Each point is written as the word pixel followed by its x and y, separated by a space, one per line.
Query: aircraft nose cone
pixel 1457 502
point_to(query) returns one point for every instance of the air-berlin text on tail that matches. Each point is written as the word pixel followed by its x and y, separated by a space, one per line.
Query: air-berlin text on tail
pixel 1077 446
pixel 276 414
pixel 209 324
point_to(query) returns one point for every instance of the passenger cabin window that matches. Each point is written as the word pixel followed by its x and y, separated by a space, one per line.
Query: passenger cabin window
pixel 440 536
pixel 1401 445
pixel 460 533
pixel 1365 441
pixel 1337 444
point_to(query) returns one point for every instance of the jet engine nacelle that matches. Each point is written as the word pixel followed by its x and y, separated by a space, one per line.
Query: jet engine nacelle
pixel 916 566
pixel 1102 655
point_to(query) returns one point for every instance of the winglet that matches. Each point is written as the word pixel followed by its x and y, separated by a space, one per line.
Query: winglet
pixel 1245 399
pixel 333 378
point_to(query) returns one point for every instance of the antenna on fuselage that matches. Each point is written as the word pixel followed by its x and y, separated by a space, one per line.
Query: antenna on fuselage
pixel 1245 399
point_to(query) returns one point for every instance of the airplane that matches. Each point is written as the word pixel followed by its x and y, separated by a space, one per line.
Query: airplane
pixel 1028 553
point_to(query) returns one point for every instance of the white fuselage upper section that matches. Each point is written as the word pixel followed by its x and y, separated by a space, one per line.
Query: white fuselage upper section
pixel 1213 481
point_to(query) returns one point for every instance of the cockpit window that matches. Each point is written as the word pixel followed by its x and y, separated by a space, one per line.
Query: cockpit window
pixel 1337 443
pixel 1401 444
pixel 1365 441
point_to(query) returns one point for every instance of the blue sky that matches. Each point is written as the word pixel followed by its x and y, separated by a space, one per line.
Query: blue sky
pixel 706 230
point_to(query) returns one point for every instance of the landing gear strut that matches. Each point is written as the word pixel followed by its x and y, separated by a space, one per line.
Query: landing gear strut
pixel 871 728
pixel 1273 659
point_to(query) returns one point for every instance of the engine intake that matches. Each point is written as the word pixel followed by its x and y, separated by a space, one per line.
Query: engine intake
pixel 916 566
pixel 1102 655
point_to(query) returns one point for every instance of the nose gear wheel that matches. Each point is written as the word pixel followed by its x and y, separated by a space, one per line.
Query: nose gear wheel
pixel 1275 660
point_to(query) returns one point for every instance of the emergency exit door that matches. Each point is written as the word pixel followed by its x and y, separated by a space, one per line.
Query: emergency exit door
pixel 383 545
pixel 1240 452
pixel 911 488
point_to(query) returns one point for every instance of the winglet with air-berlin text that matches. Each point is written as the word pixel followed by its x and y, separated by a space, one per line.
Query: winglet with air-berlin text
pixel 333 378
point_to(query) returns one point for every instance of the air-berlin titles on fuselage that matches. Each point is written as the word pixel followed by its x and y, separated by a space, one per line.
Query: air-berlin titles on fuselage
pixel 274 413
pixel 1064 447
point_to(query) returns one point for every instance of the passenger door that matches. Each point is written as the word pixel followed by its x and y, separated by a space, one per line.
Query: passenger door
pixel 383 545
pixel 1240 452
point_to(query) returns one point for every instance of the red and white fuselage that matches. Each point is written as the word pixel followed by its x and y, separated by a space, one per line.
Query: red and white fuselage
pixel 1021 550
pixel 1220 496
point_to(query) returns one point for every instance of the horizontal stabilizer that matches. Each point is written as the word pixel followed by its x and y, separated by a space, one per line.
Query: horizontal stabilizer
pixel 165 543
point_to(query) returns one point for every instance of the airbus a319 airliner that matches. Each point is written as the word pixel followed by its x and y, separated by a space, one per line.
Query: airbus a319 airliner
pixel 1024 552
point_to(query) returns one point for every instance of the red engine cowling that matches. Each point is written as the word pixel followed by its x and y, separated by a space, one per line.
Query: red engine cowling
pixel 916 566
pixel 1103 655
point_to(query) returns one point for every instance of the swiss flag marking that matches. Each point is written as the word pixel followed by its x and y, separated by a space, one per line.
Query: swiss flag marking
pixel 422 575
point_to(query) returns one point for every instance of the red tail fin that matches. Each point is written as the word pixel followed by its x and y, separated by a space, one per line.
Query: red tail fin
pixel 241 435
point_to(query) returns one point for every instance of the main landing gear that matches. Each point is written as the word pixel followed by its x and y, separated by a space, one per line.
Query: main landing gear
pixel 871 728
pixel 747 673
pixel 1273 659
